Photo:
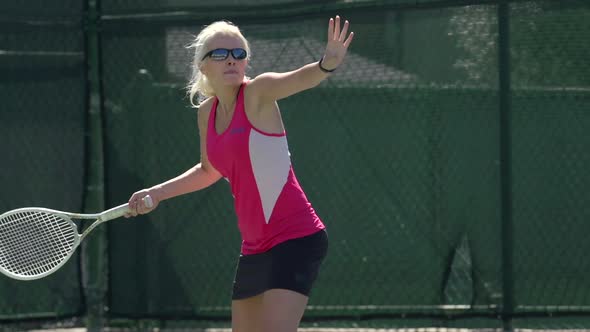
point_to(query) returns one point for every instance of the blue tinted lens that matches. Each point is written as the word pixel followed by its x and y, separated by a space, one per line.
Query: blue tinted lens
pixel 239 53
pixel 219 54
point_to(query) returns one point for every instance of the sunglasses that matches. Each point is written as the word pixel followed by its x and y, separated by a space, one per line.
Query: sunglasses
pixel 220 54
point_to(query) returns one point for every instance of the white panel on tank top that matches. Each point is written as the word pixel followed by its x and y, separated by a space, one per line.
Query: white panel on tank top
pixel 271 163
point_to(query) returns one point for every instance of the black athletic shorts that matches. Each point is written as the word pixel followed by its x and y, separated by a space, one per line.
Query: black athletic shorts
pixel 293 265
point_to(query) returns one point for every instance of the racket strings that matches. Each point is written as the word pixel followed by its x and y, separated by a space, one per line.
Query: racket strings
pixel 34 242
pixel 33 254
pixel 22 249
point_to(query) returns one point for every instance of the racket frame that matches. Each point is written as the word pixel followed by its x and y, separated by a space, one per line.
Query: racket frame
pixel 100 218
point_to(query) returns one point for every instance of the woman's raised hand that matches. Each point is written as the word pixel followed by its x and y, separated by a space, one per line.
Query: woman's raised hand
pixel 337 45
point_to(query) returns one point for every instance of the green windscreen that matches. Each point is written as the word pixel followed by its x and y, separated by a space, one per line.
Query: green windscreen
pixel 446 174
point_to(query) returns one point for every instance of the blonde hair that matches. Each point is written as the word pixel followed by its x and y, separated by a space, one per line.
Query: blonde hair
pixel 199 84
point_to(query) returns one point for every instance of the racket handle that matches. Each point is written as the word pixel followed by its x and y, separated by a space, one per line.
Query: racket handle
pixel 122 209
pixel 115 212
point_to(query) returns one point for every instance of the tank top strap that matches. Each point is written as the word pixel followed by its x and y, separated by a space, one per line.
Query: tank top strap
pixel 240 101
pixel 212 115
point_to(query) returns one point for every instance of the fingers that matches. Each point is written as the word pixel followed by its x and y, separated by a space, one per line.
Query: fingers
pixel 349 39
pixel 335 34
pixel 331 29
pixel 344 31
pixel 138 204
pixel 336 28
pixel 133 210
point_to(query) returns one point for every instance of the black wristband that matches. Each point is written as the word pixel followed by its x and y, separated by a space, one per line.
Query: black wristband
pixel 324 69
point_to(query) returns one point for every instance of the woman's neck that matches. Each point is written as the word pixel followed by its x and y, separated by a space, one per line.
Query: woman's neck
pixel 227 97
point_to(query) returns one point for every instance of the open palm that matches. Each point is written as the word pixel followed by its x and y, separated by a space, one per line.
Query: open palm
pixel 338 43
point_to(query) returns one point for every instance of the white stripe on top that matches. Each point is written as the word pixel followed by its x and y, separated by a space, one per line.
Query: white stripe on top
pixel 271 163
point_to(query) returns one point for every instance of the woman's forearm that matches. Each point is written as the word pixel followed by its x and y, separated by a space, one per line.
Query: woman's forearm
pixel 194 179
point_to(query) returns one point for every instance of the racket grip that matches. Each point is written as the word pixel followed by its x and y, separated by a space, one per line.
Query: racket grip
pixel 115 212
pixel 122 209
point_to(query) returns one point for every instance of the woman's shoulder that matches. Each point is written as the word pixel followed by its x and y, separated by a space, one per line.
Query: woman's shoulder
pixel 204 109
pixel 253 94
pixel 252 86
pixel 205 106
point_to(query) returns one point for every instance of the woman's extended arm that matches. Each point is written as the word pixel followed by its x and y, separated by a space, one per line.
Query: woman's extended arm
pixel 276 86
pixel 196 178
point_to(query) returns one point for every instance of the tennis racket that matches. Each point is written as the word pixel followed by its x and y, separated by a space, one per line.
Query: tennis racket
pixel 35 242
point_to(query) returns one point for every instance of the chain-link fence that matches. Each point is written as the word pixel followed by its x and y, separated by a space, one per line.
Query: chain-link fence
pixel 42 143
pixel 400 152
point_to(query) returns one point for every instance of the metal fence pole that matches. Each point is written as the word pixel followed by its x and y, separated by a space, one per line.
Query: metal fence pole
pixel 505 163
pixel 94 256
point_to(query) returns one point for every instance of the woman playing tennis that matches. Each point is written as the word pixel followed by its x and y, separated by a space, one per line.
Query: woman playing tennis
pixel 243 139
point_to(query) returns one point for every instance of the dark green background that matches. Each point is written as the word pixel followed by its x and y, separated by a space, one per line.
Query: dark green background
pixel 399 152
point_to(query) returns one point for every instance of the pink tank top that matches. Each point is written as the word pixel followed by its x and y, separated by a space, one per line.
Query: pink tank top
pixel 270 205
